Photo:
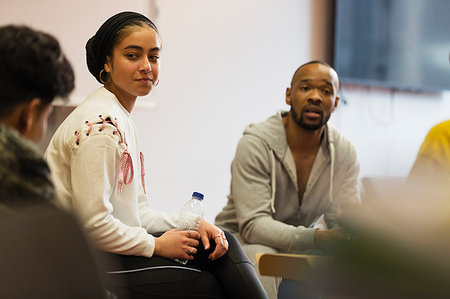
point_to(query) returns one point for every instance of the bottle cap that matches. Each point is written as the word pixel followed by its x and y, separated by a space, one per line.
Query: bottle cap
pixel 198 195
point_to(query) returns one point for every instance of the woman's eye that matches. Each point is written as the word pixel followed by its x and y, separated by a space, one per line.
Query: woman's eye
pixel 153 58
pixel 132 56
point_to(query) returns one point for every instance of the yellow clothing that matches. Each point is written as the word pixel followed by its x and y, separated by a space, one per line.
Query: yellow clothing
pixel 432 165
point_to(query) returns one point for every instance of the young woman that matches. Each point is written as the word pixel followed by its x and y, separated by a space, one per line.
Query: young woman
pixel 98 172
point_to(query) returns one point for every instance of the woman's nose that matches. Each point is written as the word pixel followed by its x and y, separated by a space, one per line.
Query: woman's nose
pixel 146 66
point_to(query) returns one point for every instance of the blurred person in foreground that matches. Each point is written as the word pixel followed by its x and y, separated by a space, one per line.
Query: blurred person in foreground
pixel 33 72
pixel 44 253
pixel 399 249
pixel 400 246
pixel 292 173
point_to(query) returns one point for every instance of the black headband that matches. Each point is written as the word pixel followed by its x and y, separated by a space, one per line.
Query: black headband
pixel 99 46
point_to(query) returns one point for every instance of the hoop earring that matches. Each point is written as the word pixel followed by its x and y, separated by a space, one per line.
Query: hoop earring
pixel 100 76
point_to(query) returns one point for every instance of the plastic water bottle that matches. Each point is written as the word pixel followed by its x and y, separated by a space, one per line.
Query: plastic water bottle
pixel 191 215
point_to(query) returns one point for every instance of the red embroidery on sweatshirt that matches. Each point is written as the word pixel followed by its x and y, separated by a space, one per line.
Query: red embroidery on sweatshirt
pixel 126 172
pixel 142 171
pixel 126 168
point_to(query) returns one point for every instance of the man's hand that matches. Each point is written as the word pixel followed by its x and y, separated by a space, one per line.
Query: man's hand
pixel 324 238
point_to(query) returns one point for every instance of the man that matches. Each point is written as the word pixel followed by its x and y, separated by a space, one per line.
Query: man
pixel 37 237
pixel 33 71
pixel 292 173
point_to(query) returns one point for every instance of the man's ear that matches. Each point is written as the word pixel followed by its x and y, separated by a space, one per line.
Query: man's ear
pixel 28 116
pixel 288 96
pixel 336 102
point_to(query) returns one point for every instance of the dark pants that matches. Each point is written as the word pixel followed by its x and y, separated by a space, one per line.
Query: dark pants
pixel 231 276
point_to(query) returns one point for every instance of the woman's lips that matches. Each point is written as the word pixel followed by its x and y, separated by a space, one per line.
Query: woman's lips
pixel 145 81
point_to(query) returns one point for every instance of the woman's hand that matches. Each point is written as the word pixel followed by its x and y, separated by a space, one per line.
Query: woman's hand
pixel 209 231
pixel 177 244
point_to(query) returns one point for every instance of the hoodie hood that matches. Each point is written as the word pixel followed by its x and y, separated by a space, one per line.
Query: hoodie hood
pixel 263 204
pixel 273 133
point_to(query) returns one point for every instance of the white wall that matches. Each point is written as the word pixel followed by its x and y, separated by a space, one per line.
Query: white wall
pixel 73 23
pixel 388 129
pixel 226 64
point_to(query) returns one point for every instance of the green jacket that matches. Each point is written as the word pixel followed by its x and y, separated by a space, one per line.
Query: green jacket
pixel 24 175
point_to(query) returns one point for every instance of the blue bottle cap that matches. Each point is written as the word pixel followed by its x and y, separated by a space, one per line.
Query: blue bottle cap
pixel 198 195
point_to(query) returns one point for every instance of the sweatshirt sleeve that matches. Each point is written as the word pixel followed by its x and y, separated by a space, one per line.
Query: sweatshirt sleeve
pixel 154 221
pixel 345 182
pixel 94 167
pixel 251 191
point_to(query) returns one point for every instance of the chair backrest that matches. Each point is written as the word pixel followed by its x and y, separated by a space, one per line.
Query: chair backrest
pixel 45 254
pixel 290 266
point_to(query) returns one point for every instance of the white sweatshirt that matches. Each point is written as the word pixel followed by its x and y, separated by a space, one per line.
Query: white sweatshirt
pixel 97 170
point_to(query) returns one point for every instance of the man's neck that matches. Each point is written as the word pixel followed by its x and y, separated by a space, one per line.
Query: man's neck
pixel 300 139
pixel 12 120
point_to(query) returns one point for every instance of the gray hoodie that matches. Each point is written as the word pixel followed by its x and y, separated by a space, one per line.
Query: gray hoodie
pixel 264 206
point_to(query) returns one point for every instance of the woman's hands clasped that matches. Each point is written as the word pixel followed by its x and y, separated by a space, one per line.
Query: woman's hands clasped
pixel 177 244
pixel 208 232
pixel 183 244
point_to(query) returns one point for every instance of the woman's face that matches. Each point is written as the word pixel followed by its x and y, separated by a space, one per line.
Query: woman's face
pixel 134 66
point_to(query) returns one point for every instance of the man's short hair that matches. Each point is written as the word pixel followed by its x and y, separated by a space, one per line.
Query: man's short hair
pixel 32 65
pixel 311 62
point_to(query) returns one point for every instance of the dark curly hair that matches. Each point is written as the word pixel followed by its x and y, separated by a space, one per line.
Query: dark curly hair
pixel 32 65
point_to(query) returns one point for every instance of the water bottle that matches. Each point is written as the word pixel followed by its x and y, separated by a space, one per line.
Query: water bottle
pixel 191 215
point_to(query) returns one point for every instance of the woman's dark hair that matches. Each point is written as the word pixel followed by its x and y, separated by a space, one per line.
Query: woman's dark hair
pixel 32 65
pixel 101 45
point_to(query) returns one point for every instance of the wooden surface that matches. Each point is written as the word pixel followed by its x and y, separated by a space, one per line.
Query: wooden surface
pixel 290 266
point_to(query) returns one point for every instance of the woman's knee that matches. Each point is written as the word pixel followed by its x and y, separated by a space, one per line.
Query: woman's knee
pixel 235 251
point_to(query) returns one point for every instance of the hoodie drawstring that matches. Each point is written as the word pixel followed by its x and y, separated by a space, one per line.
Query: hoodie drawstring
pixel 331 171
pixel 273 181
